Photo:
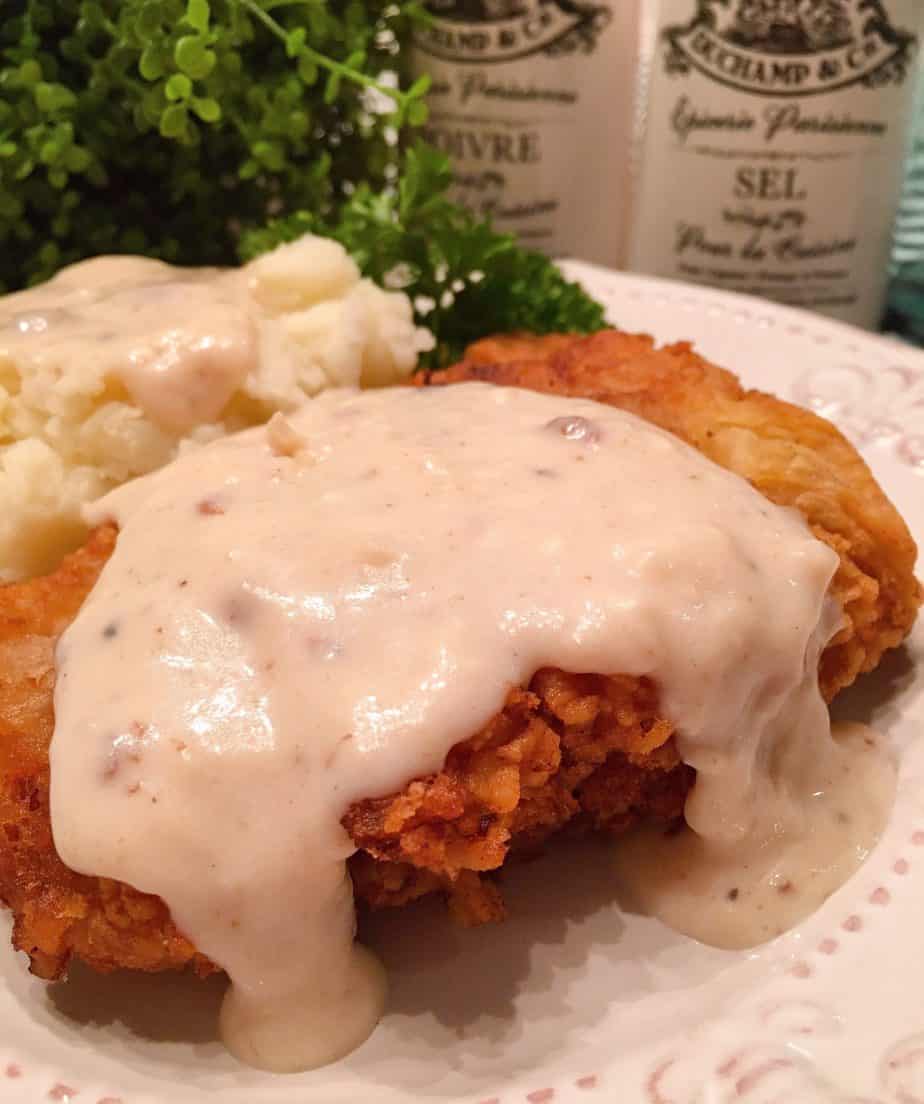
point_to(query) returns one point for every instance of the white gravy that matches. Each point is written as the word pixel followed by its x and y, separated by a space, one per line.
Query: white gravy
pixel 190 346
pixel 314 612
pixel 181 340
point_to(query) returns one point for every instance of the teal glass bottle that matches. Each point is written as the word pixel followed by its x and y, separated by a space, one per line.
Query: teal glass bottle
pixel 906 291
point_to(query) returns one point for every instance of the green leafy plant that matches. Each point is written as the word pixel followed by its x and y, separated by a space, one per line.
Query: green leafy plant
pixel 161 126
pixel 177 128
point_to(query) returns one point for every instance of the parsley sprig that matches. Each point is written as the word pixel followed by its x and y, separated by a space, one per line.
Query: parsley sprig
pixel 465 279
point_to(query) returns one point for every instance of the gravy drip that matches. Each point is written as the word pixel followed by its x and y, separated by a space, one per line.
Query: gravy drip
pixel 315 612
pixel 818 825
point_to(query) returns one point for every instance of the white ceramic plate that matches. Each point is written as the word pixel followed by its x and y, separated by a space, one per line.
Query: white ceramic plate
pixel 571 1001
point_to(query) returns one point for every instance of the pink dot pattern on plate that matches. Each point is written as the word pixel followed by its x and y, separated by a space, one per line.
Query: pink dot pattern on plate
pixel 753 1077
pixel 653 1084
pixel 901 1070
pixel 728 1067
pixel 799 1017
pixel 801 969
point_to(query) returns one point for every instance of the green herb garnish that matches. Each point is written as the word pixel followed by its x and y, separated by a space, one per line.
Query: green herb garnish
pixel 465 279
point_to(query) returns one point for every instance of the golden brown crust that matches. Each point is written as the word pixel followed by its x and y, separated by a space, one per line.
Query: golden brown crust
pixel 568 749
pixel 56 911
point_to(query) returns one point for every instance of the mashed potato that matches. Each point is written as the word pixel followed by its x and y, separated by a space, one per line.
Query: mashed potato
pixel 118 363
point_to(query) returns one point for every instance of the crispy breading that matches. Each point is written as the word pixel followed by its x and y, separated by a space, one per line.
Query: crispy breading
pixel 57 912
pixel 536 766
pixel 570 749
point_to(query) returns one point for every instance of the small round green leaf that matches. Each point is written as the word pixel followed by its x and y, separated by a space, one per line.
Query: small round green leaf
pixel 50 152
pixel 151 63
pixel 53 97
pixel 208 110
pixel 193 57
pixel 307 70
pixel 295 41
pixel 173 121
pixel 178 87
pixel 30 72
pixel 77 159
pixel 197 14
pixel 149 19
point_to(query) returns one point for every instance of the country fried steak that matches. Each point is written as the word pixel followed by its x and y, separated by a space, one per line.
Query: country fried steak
pixel 588 751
